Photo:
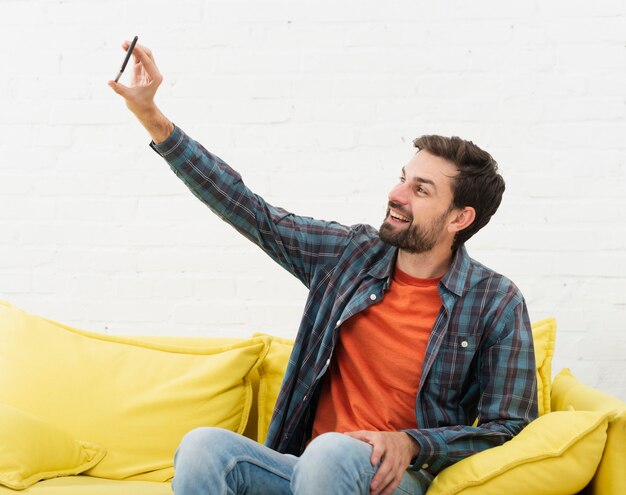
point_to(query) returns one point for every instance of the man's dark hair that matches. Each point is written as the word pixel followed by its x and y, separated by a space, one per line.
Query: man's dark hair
pixel 478 183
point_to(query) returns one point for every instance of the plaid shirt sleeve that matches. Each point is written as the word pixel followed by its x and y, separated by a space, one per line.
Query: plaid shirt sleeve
pixel 299 244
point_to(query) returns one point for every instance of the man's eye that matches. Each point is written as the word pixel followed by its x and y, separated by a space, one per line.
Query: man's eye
pixel 401 178
pixel 421 190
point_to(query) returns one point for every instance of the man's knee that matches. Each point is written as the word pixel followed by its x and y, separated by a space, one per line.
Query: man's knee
pixel 200 452
pixel 332 460
pixel 201 442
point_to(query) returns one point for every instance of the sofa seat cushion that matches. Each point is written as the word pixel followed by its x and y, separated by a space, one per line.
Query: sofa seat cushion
pixel 557 454
pixel 136 399
pixel 88 485
pixel 32 450
pixel 569 393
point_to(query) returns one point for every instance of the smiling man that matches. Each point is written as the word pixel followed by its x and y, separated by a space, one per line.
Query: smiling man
pixel 410 355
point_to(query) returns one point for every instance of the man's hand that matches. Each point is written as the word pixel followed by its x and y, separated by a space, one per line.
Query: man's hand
pixel 394 451
pixel 139 95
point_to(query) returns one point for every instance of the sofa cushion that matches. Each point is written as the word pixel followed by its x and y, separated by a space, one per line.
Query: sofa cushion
pixel 568 392
pixel 556 454
pixel 544 336
pixel 32 450
pixel 252 423
pixel 271 373
pixel 134 398
pixel 89 485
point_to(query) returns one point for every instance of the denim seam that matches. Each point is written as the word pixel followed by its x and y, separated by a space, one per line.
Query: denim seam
pixel 251 460
pixel 366 472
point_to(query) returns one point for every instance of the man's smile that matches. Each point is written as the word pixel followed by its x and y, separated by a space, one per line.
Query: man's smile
pixel 396 217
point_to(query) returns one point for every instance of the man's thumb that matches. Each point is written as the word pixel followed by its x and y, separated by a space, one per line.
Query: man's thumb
pixel 120 89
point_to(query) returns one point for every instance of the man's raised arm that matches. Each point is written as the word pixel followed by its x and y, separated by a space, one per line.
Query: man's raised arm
pixel 298 244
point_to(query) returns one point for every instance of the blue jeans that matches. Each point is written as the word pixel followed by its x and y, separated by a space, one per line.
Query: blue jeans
pixel 216 461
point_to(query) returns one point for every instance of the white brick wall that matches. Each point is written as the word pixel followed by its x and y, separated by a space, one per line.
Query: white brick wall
pixel 316 104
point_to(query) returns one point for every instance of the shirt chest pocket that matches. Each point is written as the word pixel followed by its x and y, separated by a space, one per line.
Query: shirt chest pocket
pixel 454 365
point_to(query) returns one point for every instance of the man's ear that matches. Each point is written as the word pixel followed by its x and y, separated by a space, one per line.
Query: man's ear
pixel 463 218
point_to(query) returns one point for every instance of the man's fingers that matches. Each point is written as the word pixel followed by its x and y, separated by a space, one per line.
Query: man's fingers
pixel 144 56
pixel 383 479
pixel 378 451
pixel 359 435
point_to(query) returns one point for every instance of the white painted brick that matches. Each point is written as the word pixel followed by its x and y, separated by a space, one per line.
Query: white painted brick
pixel 13 185
pixel 14 257
pixel 46 281
pixel 25 87
pixel 79 259
pixel 15 282
pixel 16 12
pixel 23 112
pixel 87 112
pixel 31 208
pixel 148 312
pixel 265 62
pixel 252 111
pixel 606 83
pixel 161 12
pixel 223 312
pixel 210 287
pixel 597 57
pixel 231 87
pixel 587 30
pixel 564 9
pixel 94 210
pixel 64 185
pixel 92 12
pixel 277 35
pixel 58 136
pixel 152 286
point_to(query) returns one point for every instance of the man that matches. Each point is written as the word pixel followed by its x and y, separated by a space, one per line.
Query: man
pixel 410 355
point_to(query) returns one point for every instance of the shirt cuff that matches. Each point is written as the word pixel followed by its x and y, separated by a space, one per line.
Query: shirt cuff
pixel 170 144
pixel 433 451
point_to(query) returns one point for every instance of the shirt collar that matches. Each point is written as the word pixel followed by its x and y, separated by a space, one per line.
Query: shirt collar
pixel 383 268
pixel 455 279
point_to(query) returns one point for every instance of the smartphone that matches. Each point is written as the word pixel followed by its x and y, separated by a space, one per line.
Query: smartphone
pixel 127 57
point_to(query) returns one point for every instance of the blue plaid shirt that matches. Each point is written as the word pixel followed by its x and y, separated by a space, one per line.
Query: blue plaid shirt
pixel 478 384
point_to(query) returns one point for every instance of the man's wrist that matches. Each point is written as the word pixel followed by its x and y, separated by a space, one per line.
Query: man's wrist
pixel 158 125
pixel 414 447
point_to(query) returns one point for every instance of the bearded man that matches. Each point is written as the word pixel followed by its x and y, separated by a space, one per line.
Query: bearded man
pixel 410 355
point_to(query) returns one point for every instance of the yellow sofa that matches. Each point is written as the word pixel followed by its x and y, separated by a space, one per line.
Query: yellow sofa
pixel 90 414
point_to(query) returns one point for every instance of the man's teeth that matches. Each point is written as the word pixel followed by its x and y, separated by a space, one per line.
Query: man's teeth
pixel 397 216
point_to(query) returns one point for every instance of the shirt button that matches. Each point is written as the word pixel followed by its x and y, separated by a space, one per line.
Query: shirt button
pixel 328 362
pixel 304 398
pixel 424 466
pixel 464 343
pixel 338 323
pixel 373 297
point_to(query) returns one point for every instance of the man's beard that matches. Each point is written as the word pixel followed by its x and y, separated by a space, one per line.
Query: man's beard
pixel 415 238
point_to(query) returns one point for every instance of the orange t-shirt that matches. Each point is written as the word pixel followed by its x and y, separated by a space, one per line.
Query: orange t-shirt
pixel 373 378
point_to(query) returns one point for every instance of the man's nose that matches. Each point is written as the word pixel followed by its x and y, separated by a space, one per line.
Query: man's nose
pixel 399 194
